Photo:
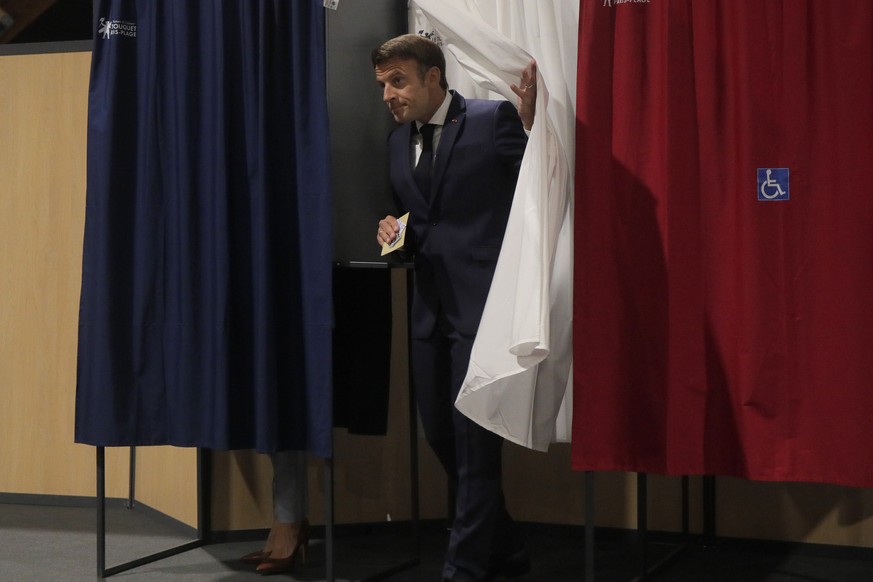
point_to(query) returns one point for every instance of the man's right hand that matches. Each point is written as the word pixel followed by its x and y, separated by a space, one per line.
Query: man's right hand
pixel 388 229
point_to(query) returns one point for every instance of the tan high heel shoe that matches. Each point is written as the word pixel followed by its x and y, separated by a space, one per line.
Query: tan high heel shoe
pixel 280 565
pixel 255 558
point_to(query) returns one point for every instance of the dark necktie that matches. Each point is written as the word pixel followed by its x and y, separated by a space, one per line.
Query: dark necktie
pixel 422 168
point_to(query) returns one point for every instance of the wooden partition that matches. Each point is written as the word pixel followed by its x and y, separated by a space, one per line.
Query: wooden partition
pixel 43 115
pixel 43 100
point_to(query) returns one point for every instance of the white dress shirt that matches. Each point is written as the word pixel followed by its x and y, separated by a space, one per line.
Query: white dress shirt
pixel 438 119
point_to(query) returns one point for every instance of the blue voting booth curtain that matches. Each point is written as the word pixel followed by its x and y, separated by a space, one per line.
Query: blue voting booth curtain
pixel 205 315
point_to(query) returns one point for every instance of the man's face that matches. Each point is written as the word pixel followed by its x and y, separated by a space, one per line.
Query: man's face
pixel 408 96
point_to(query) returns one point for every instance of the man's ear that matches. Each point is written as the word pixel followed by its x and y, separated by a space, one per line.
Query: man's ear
pixel 432 77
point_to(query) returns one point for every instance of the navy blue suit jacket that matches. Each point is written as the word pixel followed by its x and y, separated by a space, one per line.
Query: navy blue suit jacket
pixel 457 229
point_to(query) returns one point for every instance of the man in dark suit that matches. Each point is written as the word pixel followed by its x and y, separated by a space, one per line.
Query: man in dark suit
pixel 454 165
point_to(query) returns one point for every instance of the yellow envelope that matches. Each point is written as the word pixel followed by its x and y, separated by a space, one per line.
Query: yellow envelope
pixel 401 236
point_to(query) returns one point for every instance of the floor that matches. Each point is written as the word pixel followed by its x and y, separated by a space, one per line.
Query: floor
pixel 42 543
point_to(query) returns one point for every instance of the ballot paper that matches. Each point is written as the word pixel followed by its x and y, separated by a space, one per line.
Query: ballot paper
pixel 399 239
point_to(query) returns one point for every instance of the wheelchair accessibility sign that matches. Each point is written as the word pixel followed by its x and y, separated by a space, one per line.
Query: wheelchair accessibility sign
pixel 772 184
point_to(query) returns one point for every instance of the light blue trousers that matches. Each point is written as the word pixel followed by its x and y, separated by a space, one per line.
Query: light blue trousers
pixel 290 486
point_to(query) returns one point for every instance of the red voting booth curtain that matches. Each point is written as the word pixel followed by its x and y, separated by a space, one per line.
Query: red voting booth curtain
pixel 724 315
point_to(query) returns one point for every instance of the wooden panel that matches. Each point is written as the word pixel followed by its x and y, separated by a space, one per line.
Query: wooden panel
pixel 43 123
pixel 808 512
pixel 43 105
pixel 166 479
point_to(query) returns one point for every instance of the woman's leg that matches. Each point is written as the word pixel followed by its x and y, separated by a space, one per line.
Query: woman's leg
pixel 290 486
pixel 289 502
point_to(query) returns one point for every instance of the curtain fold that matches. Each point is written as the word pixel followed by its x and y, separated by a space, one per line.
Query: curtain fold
pixel 205 315
pixel 719 331
pixel 516 384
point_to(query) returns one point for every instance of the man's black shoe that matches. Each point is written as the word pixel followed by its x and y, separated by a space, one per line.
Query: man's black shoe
pixel 513 566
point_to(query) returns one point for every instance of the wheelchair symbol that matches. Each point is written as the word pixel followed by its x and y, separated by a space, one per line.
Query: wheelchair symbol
pixel 773 183
pixel 768 183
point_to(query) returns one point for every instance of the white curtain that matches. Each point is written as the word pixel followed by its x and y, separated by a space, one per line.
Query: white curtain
pixel 520 368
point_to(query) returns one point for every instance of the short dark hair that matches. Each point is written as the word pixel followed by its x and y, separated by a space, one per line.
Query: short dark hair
pixel 412 46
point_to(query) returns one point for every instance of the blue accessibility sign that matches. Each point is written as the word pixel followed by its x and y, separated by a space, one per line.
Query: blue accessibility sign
pixel 772 184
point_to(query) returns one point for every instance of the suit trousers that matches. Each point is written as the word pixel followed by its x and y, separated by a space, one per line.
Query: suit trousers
pixel 290 486
pixel 482 534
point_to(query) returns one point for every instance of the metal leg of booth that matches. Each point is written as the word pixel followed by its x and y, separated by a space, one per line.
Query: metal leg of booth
pixel 202 518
